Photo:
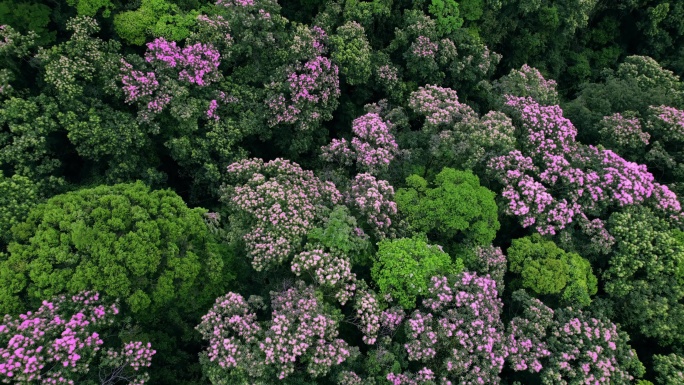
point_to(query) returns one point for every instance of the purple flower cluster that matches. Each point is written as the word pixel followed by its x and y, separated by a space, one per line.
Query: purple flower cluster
pixel 327 270
pixel 57 343
pixel 312 91
pixel 671 122
pixel 198 63
pixel 375 200
pixel 623 133
pixel 373 146
pixel 284 201
pixel 558 179
pixel 424 47
pixel 461 325
pixel 300 333
pixel 440 106
pixel 526 337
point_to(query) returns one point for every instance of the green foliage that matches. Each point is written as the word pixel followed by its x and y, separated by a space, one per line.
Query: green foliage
pixel 145 247
pixel 638 82
pixel 157 18
pixel 669 369
pixel 456 205
pixel 28 16
pixel 340 234
pixel 644 276
pixel 447 14
pixel 29 144
pixel 18 195
pixel 547 269
pixel 352 52
pixel 403 268
pixel 92 7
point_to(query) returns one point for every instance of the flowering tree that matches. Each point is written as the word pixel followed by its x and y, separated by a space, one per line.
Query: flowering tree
pixel 373 146
pixel 556 180
pixel 568 346
pixel 459 336
pixel 301 336
pixel 374 200
pixel 282 202
pixel 528 82
pixel 458 137
pixel 60 344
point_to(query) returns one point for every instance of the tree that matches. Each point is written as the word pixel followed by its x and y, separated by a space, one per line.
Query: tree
pixel 456 206
pixel 18 195
pixel 403 268
pixel 352 53
pixel 547 269
pixel 644 276
pixel 145 247
pixel 63 341
pixel 300 341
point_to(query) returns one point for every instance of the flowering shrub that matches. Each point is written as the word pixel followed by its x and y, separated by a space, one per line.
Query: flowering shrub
pixel 300 334
pixel 373 146
pixel 59 343
pixel 283 202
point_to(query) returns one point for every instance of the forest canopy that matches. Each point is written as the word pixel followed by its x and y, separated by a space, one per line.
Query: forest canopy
pixel 350 192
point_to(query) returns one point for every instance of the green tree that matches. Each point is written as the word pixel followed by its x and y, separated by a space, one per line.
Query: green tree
pixel 18 195
pixel 28 16
pixel 547 269
pixel 644 276
pixel 125 241
pixel 154 18
pixel 669 369
pixel 92 7
pixel 456 206
pixel 447 14
pixel 403 268
pixel 352 52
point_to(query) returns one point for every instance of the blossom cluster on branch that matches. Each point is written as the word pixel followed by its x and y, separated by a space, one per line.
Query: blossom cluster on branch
pixel 373 146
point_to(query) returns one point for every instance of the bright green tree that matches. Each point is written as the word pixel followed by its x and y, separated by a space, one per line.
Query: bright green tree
pixel 403 268
pixel 455 206
pixel 125 241
pixel 546 269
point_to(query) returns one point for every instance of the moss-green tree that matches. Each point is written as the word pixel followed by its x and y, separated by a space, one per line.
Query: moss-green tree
pixel 546 269
pixel 352 53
